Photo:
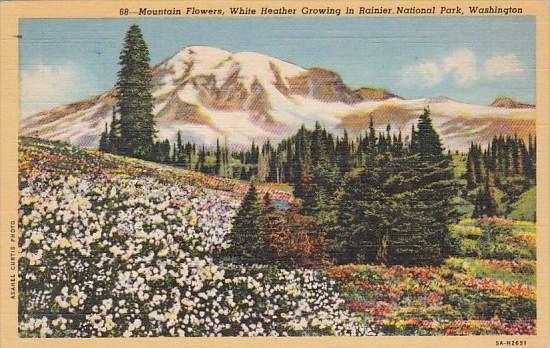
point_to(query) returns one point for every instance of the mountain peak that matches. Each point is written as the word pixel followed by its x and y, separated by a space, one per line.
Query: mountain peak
pixel 509 103
pixel 209 93
pixel 203 50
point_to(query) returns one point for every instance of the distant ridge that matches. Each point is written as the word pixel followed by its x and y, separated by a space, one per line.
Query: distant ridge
pixel 509 103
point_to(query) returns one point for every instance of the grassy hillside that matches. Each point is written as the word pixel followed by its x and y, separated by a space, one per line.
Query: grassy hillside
pixel 526 206
pixel 37 154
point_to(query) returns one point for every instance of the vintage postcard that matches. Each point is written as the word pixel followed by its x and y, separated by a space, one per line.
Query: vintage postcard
pixel 307 173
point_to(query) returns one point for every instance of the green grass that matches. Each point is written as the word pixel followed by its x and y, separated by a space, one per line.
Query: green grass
pixel 466 230
pixel 515 242
pixel 463 207
pixel 479 269
pixel 526 206
pixel 525 227
pixel 282 187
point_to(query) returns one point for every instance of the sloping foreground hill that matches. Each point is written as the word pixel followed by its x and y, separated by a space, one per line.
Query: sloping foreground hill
pixel 116 247
pixel 62 156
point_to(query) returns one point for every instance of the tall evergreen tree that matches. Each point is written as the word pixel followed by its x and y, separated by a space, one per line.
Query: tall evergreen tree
pixel 398 145
pixel 395 212
pixel 134 98
pixel 200 166
pixel 428 144
pixel 218 165
pixel 104 140
pixel 438 188
pixel 248 234
pixel 343 153
pixel 471 182
pixel 371 134
pixel 274 171
pixel 114 134
pixel 413 142
pixel 180 156
pixel 317 148
pixel 486 203
pixel 304 187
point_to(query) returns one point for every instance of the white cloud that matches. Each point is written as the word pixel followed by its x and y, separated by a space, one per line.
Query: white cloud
pixel 497 66
pixel 44 86
pixel 427 73
pixel 461 64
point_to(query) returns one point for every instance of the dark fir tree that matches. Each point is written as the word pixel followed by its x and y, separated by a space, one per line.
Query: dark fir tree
pixel 317 146
pixel 396 209
pixel 343 153
pixel 371 134
pixel 413 142
pixel 304 187
pixel 486 203
pixel 248 234
pixel 274 169
pixel 360 217
pixel 394 212
pixel 174 154
pixel 104 140
pixel 471 180
pixel 200 166
pixel 114 134
pixel 423 210
pixel 427 142
pixel 436 185
pixel 218 164
pixel 134 99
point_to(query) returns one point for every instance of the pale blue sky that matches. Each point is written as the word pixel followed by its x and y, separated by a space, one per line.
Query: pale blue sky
pixel 473 59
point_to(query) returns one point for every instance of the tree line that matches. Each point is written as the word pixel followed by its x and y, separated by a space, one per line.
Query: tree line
pixel 506 165
pixel 389 202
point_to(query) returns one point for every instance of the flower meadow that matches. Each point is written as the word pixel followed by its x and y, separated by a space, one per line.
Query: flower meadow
pixel 116 247
pixel 106 250
pixel 446 300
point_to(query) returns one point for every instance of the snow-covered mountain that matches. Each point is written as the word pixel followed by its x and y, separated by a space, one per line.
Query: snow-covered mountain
pixel 209 93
